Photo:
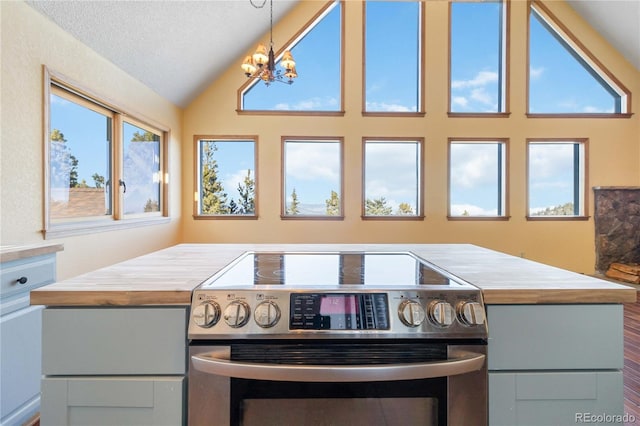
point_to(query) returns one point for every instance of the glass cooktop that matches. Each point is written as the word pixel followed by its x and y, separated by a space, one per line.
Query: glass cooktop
pixel 305 269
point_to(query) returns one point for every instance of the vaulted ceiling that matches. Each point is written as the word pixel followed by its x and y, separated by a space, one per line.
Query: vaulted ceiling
pixel 177 47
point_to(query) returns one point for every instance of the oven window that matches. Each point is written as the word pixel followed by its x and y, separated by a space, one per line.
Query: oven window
pixel 408 402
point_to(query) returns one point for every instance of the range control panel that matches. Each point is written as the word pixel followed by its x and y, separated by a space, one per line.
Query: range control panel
pixel 225 314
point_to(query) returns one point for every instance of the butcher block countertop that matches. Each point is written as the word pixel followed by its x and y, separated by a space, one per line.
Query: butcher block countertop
pixel 10 253
pixel 168 276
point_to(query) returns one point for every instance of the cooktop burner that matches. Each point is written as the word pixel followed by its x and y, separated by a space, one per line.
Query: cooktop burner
pixel 304 269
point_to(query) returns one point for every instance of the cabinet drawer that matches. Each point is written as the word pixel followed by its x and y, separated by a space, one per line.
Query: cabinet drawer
pixel 555 337
pixel 123 401
pixel 554 398
pixel 36 272
pixel 114 341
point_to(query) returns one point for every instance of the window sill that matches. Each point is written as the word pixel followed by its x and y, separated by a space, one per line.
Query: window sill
pixel 225 217
pixel 557 218
pixel 479 218
pixel 393 217
pixel 93 227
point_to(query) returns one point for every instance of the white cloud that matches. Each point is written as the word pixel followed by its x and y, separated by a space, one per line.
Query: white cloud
pixel 473 165
pixel 389 107
pixel 481 79
pixel 481 95
pixel 472 210
pixel 536 73
pixel 313 161
pixel 460 100
pixel 311 104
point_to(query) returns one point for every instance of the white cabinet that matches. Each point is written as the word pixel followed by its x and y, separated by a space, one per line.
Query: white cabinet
pixel 20 334
pixel 555 364
pixel 114 366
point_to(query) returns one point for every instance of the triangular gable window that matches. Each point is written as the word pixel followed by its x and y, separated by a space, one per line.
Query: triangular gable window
pixel 317 51
pixel 563 77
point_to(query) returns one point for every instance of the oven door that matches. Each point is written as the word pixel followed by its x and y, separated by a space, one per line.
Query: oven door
pixel 337 383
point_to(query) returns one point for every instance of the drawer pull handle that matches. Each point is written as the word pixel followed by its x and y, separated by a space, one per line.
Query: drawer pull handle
pixel 22 280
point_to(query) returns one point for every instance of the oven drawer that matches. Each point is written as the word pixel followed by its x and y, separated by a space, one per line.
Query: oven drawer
pixel 114 341
pixel 555 337
pixel 114 400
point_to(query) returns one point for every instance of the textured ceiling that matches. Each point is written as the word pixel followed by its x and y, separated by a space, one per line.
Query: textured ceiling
pixel 178 47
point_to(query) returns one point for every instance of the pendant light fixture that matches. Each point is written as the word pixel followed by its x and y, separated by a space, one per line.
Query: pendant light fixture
pixel 262 64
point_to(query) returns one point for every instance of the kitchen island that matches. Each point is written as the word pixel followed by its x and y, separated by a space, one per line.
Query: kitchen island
pixel 114 340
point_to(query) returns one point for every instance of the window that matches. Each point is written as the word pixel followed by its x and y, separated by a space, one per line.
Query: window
pixel 477 179
pixel 392 178
pixel 226 177
pixel 478 57
pixel 557 179
pixel 104 169
pixel 312 178
pixel 318 49
pixel 563 77
pixel 141 174
pixel 393 29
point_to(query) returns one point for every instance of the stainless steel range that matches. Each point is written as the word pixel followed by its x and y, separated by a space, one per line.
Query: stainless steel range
pixel 315 338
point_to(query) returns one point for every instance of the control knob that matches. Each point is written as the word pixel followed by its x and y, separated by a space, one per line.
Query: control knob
pixel 411 313
pixel 236 314
pixel 470 313
pixel 441 313
pixel 266 314
pixel 206 314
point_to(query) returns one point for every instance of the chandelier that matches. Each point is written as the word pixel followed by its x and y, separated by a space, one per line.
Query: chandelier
pixel 262 64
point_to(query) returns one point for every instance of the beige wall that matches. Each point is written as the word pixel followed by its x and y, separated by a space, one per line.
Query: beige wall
pixel 613 149
pixel 28 41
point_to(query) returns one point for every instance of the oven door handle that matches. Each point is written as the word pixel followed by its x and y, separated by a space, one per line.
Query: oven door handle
pixel 218 363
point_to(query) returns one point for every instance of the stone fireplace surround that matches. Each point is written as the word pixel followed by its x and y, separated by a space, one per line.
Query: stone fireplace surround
pixel 617 225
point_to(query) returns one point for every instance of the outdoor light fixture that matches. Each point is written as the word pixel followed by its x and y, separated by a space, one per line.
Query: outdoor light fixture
pixel 262 64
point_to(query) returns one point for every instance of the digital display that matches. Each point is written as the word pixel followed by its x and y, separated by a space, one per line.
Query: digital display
pixel 341 304
pixel 339 311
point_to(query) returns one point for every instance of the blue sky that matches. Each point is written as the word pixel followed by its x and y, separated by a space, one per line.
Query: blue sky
pixel 558 83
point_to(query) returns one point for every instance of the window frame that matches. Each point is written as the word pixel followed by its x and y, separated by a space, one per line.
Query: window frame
pixel 505 50
pixel 78 93
pixel 421 63
pixel 306 28
pixel 596 67
pixel 283 180
pixel 196 176
pixel 581 193
pixel 503 181
pixel 420 213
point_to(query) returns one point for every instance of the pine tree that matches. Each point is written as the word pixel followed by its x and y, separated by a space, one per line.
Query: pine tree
pixel 293 208
pixel 404 209
pixel 247 191
pixel 60 164
pixel 377 207
pixel 333 204
pixel 213 198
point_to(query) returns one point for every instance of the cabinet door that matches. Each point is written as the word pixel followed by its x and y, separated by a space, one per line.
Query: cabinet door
pixel 20 354
pixel 116 401
pixel 555 398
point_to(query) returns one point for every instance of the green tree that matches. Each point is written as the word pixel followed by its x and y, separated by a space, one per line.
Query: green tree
pixel 151 206
pixel 247 191
pixel 404 209
pixel 73 174
pixel 377 207
pixel 213 198
pixel 333 204
pixel 98 180
pixel 60 164
pixel 294 206
pixel 565 209
pixel 145 137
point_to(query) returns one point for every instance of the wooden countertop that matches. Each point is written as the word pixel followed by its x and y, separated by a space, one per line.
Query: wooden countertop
pixel 168 276
pixel 9 253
